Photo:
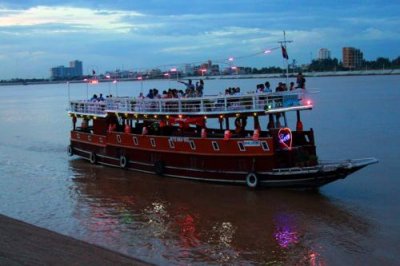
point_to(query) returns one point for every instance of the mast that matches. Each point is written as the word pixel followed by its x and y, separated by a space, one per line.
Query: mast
pixel 285 58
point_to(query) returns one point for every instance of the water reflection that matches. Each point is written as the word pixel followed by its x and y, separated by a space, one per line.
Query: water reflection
pixel 169 221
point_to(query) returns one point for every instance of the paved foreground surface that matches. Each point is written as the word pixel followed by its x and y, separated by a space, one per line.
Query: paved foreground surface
pixel 25 244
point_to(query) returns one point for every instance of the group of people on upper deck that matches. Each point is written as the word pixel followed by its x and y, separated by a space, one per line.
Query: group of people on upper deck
pixel 300 84
pixel 197 89
pixel 190 91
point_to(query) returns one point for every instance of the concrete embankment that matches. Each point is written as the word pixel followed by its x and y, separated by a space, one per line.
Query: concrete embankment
pixel 25 244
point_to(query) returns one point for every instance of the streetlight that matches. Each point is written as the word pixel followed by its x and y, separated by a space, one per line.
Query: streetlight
pixel 168 76
pixel 109 84
pixel 176 72
pixel 236 69
pixel 141 83
pixel 116 86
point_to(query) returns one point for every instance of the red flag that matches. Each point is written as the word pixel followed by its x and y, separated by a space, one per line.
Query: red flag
pixel 284 53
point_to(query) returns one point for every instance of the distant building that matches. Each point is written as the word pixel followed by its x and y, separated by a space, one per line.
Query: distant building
pixel 75 70
pixel 324 53
pixel 352 57
pixel 188 70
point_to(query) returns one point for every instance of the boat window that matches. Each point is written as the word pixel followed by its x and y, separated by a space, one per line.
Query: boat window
pixel 264 146
pixel 307 138
pixel 153 142
pixel 241 146
pixel 135 141
pixel 215 146
pixel 171 144
pixel 192 144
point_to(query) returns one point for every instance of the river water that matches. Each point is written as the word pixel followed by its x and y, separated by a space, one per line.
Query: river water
pixel 169 221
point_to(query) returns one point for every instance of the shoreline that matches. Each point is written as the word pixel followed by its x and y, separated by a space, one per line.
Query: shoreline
pixel 240 76
pixel 25 244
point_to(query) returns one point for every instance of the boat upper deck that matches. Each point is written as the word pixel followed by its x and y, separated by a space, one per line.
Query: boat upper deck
pixel 208 105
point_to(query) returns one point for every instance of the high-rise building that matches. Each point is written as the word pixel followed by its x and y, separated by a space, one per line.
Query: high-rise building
pixel 352 57
pixel 75 70
pixel 324 53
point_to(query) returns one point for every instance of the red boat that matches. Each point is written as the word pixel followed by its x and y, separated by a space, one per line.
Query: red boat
pixel 210 138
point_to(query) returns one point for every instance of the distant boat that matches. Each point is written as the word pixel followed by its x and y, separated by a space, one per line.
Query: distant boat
pixel 207 139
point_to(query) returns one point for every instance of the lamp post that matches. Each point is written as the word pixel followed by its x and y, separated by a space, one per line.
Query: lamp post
pixel 116 86
pixel 87 88
pixel 141 83
pixel 176 72
pixel 169 80
pixel 109 84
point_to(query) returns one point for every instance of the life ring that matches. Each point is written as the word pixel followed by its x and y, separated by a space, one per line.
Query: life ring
pixel 159 167
pixel 123 162
pixel 92 158
pixel 252 180
pixel 70 150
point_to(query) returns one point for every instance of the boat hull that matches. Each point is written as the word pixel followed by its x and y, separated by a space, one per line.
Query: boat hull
pixel 154 163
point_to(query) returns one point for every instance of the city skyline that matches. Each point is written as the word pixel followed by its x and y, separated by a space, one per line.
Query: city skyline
pixel 37 35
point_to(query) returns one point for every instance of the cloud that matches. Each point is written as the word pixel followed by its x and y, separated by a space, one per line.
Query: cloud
pixel 79 18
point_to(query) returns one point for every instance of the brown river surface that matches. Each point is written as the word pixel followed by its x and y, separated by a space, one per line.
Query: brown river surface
pixel 166 221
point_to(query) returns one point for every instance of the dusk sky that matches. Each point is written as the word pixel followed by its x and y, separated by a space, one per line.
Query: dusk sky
pixel 131 35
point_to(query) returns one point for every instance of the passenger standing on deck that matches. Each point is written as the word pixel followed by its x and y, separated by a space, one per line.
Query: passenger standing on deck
pixel 199 88
pixel 94 98
pixel 292 86
pixel 301 81
pixel 150 95
pixel 267 87
pixel 189 87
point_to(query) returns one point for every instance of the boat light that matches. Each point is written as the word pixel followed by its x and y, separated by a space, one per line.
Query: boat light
pixel 205 117
pixel 308 102
pixel 180 116
pixel 155 116
pixel 255 114
pixel 167 116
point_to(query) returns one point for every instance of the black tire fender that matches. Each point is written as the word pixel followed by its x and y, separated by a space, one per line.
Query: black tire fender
pixel 92 158
pixel 123 161
pixel 252 180
pixel 70 150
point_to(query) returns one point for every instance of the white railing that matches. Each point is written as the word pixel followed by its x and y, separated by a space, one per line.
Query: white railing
pixel 204 105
